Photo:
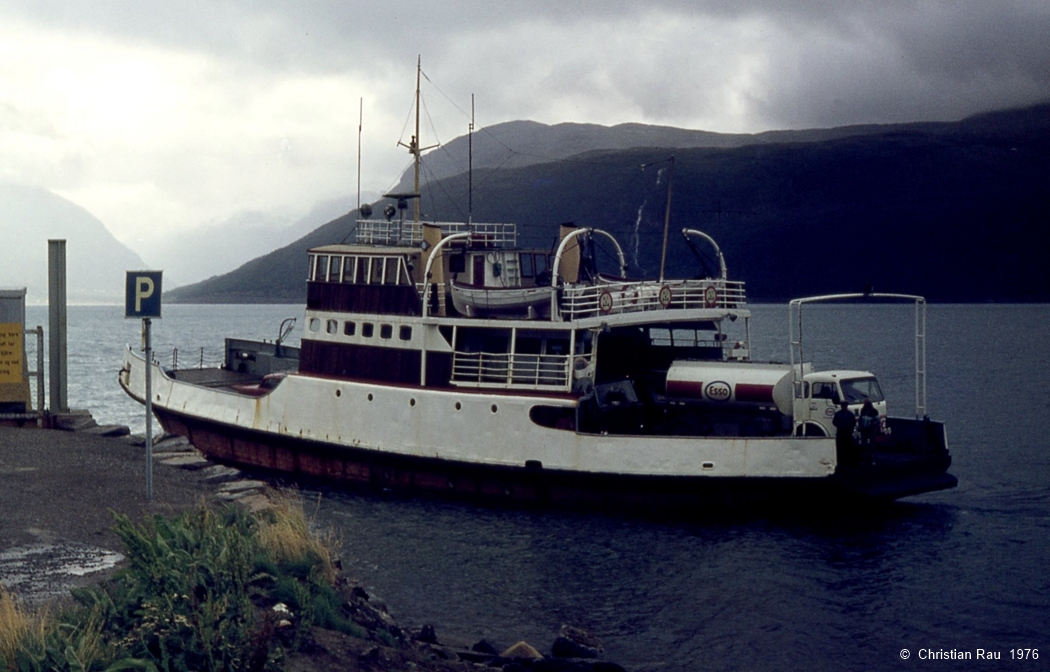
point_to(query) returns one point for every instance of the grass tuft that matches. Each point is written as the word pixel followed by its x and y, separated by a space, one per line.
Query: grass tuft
pixel 17 628
pixel 286 534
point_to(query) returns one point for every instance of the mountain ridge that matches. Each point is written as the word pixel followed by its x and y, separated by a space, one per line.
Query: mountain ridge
pixel 883 204
pixel 95 260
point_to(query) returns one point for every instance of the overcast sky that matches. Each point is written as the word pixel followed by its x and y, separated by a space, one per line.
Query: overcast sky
pixel 157 116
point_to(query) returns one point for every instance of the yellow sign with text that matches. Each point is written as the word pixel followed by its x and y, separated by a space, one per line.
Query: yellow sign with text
pixel 12 366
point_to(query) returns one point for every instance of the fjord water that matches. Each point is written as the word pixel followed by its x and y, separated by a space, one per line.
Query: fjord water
pixel 960 570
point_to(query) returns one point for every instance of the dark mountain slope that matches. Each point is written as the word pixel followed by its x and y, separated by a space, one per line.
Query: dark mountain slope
pixel 952 211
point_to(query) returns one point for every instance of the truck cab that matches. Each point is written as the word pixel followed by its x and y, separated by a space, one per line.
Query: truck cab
pixel 818 396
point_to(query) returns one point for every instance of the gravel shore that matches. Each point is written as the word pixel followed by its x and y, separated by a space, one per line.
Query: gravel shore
pixel 58 493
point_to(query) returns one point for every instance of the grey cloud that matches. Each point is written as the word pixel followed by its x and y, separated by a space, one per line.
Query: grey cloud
pixel 828 62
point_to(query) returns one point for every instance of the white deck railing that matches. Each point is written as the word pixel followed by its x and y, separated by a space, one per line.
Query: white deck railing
pixel 383 232
pixel 504 370
pixel 629 297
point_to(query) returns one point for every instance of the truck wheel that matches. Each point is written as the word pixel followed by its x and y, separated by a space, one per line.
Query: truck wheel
pixel 810 429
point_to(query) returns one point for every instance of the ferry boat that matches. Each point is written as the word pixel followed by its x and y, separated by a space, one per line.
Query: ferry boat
pixel 447 358
pixel 613 392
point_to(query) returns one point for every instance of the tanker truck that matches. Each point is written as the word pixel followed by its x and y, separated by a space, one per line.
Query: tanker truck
pixel 746 398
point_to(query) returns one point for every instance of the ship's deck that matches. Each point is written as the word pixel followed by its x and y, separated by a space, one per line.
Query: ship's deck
pixel 215 377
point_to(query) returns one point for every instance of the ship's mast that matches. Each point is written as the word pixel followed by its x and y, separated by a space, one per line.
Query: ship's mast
pixel 667 219
pixel 414 150
pixel 360 126
pixel 470 165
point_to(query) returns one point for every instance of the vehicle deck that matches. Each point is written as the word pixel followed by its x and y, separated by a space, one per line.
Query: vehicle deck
pixel 215 377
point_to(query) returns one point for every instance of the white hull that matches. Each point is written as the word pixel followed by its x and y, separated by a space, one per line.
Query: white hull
pixel 472 428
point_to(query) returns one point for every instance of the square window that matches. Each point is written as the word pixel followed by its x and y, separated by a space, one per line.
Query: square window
pixel 386 331
pixel 378 266
pixel 392 267
pixel 367 329
pixel 349 328
pixel 405 333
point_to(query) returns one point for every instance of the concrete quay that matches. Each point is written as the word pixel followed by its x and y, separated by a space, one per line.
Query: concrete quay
pixel 59 490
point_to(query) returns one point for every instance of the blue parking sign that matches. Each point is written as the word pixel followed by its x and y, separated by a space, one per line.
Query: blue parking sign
pixel 142 294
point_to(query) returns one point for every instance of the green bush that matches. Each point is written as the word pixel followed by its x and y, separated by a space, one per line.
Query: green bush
pixel 197 594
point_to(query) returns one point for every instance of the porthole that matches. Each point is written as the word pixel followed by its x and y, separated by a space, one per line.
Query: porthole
pixel 370 396
pixel 459 406
pixel 411 402
pixel 338 393
pixel 494 408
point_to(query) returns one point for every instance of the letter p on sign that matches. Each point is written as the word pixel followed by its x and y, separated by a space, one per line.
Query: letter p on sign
pixel 142 294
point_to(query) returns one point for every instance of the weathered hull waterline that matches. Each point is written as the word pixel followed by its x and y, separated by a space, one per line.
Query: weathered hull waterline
pixel 469 445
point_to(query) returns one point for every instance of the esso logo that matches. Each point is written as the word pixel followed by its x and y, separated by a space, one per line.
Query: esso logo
pixel 718 391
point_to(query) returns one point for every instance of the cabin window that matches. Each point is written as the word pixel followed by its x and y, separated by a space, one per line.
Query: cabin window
pixel 392 267
pixel 457 263
pixel 349 268
pixel 321 272
pixel 349 328
pixel 367 329
pixel 857 390
pixel 825 391
pixel 332 327
pixel 310 267
pixel 335 267
pixel 683 338
pixel 405 333
pixel 528 268
pixel 686 337
pixel 660 337
pixel 363 266
pixel 315 324
pixel 386 331
pixel 378 266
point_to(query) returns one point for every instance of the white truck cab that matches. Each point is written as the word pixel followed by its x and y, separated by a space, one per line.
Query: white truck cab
pixel 818 396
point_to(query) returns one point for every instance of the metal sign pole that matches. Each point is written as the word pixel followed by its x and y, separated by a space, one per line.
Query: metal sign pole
pixel 142 292
pixel 146 323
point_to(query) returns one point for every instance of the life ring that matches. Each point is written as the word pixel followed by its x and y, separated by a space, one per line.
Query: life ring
pixel 664 297
pixel 605 302
pixel 710 296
